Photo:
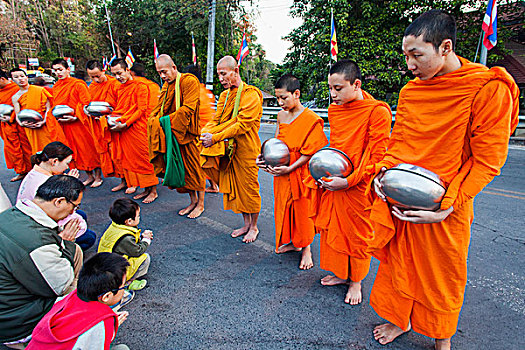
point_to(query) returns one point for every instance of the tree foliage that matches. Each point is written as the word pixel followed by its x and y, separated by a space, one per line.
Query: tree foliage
pixel 369 32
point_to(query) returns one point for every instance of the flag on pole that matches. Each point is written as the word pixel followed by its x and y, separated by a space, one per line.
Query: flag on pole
pixel 108 64
pixel 490 26
pixel 104 63
pixel 243 50
pixel 155 50
pixel 130 58
pixel 333 40
pixel 193 51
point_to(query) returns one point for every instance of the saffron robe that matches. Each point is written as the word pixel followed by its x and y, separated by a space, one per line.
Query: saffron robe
pixel 184 126
pixel 303 136
pixel 153 90
pixel 35 98
pixel 74 93
pixel 107 92
pixel 17 149
pixel 206 111
pixel 238 180
pixel 132 149
pixel 457 125
pixel 360 129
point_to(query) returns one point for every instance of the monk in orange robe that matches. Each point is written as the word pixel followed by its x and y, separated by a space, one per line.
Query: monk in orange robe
pixel 302 131
pixel 138 73
pixel 206 113
pixel 359 127
pixel 17 150
pixel 184 118
pixel 36 98
pixel 454 119
pixel 231 145
pixel 103 88
pixel 132 152
pixel 75 94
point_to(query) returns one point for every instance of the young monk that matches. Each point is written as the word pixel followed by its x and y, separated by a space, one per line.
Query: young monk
pixel 359 127
pixel 206 113
pixel 184 118
pixel 75 94
pixel 302 131
pixel 17 149
pixel 454 119
pixel 132 106
pixel 231 145
pixel 103 88
pixel 36 98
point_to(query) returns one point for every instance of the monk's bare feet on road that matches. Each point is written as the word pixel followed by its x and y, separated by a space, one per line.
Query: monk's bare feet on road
pixel 141 194
pixel 89 180
pixel 251 236
pixel 239 232
pixel 18 177
pixel 354 295
pixel 97 183
pixel 150 198
pixel 443 344
pixel 119 187
pixel 130 190
pixel 196 212
pixel 330 280
pixel 188 209
pixel 285 248
pixel 387 332
pixel 212 189
pixel 306 259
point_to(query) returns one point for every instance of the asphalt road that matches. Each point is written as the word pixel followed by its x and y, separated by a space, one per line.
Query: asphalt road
pixel 210 291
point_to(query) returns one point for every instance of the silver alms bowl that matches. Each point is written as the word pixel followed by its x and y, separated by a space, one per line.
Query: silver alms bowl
pixel 275 152
pixel 6 110
pixel 30 115
pixel 112 120
pixel 330 162
pixel 62 111
pixel 99 108
pixel 413 187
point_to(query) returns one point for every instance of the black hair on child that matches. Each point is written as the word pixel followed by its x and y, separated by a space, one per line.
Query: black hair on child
pixel 123 209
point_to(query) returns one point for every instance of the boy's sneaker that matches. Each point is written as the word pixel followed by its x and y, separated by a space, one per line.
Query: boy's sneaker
pixel 126 299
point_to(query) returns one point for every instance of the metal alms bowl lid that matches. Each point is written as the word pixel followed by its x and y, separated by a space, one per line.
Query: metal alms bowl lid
pixel 99 108
pixel 275 152
pixel 6 109
pixel 112 119
pixel 330 162
pixel 414 187
pixel 29 115
pixel 62 110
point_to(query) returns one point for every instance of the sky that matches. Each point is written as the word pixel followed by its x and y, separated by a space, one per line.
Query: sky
pixel 272 23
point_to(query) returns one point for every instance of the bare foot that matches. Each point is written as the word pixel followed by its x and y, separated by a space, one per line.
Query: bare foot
pixel 285 248
pixel 387 332
pixel 443 344
pixel 97 183
pixel 18 177
pixel 141 194
pixel 251 236
pixel 119 187
pixel 150 198
pixel 306 260
pixel 89 180
pixel 212 189
pixel 130 190
pixel 196 212
pixel 188 209
pixel 354 295
pixel 330 280
pixel 239 232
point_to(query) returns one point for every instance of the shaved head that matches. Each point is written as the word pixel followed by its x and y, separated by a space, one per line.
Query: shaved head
pixel 227 62
pixel 166 68
pixel 228 72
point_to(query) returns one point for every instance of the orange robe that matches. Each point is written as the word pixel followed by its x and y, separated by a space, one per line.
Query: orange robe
pixel 74 93
pixel 132 149
pixel 206 111
pixel 35 98
pixel 185 127
pixel 237 179
pixel 457 125
pixel 107 92
pixel 17 149
pixel 360 129
pixel 303 136
pixel 154 92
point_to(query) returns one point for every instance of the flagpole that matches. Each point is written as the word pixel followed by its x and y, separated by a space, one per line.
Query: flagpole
pixel 109 26
pixel 479 43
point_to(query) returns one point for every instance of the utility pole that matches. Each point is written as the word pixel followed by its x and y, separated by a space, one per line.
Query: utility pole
pixel 109 26
pixel 211 47
pixel 483 56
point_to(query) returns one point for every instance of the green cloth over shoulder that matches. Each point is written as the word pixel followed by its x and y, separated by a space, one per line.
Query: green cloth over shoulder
pixel 174 175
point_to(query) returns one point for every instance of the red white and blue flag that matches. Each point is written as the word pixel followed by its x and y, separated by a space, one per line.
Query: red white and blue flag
pixel 490 25
pixel 243 50
pixel 104 63
pixel 193 50
pixel 155 50
pixel 333 41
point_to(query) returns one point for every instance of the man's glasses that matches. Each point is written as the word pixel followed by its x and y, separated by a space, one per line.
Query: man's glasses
pixel 76 206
